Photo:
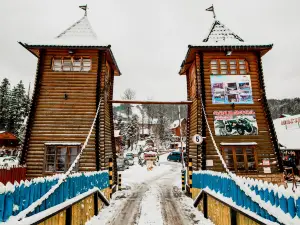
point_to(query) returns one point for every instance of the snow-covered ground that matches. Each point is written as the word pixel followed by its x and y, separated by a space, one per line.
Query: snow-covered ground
pixel 151 197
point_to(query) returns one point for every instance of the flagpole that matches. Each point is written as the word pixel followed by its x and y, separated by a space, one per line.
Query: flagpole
pixel 214 11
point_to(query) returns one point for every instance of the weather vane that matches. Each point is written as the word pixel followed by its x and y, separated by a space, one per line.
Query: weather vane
pixel 84 7
pixel 211 9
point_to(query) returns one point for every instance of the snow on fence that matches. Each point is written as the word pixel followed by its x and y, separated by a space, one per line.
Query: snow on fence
pixel 12 174
pixel 17 197
pixel 284 200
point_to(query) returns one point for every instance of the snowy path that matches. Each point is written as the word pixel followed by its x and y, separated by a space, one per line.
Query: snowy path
pixel 151 199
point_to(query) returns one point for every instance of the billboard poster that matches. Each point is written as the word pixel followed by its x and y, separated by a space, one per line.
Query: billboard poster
pixel 228 89
pixel 235 122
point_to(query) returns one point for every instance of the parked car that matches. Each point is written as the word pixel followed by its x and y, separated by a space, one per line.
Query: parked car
pixel 122 163
pixel 130 158
pixel 9 161
pixel 176 156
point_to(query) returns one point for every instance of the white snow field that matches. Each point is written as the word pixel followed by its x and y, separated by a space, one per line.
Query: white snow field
pixel 151 197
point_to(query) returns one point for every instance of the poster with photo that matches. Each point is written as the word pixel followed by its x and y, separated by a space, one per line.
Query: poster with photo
pixel 228 89
pixel 235 122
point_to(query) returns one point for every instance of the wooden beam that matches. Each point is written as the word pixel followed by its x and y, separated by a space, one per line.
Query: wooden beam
pixel 151 102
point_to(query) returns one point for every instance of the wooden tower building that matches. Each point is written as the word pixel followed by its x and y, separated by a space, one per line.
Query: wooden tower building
pixel 74 72
pixel 225 73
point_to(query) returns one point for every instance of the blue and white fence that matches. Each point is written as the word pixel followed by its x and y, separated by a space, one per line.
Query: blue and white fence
pixel 17 197
pixel 284 200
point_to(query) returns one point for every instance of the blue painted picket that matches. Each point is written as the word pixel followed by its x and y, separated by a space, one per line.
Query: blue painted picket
pixel 19 196
pixel 224 185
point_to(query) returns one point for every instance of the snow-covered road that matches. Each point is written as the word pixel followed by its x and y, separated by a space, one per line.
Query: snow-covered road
pixel 151 197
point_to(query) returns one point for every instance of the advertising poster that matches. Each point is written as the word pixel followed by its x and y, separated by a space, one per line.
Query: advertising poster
pixel 230 89
pixel 235 122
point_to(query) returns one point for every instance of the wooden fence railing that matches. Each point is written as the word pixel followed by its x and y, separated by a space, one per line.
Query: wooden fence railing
pixel 12 174
pixel 221 188
pixel 16 198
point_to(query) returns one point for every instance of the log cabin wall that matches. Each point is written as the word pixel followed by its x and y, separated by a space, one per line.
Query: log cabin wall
pixel 264 139
pixel 107 146
pixel 56 119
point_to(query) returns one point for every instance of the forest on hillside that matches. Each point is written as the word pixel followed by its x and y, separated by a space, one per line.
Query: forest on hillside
pixel 289 106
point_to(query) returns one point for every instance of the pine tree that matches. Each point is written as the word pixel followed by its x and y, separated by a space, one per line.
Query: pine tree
pixel 4 104
pixel 17 109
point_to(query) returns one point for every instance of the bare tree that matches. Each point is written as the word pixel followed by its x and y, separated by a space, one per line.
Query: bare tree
pixel 128 94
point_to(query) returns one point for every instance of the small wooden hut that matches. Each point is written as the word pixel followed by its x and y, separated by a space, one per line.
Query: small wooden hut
pixel 225 73
pixel 74 72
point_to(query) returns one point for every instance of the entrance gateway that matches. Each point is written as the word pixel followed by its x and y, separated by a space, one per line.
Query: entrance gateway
pixel 225 96
pixel 225 84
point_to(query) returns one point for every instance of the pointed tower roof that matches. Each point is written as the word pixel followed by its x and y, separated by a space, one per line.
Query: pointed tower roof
pixel 79 35
pixel 220 33
pixel 221 38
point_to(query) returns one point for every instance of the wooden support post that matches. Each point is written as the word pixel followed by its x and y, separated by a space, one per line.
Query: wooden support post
pixel 69 215
pixel 233 216
pixel 120 182
pixel 205 206
pixel 110 170
pixel 183 180
pixel 190 175
pixel 96 204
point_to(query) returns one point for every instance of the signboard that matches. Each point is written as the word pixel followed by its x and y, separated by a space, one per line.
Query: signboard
pixel 197 139
pixel 230 89
pixel 291 122
pixel 235 122
pixel 266 163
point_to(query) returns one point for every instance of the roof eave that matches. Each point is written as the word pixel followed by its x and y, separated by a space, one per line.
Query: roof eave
pixel 31 48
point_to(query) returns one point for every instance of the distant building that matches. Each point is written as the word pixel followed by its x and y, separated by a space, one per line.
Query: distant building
pixel 288 132
pixel 175 127
pixel 9 143
pixel 118 141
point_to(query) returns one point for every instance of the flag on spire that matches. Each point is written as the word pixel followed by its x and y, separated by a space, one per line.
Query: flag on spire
pixel 211 9
pixel 84 7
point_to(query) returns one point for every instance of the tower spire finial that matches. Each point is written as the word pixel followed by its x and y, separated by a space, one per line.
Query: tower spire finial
pixel 84 7
pixel 211 9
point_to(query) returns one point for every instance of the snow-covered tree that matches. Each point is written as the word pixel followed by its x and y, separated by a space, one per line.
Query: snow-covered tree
pixel 132 130
pixel 18 108
pixel 4 103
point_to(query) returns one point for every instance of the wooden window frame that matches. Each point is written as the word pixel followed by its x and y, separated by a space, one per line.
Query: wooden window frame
pixel 244 147
pixel 228 70
pixel 67 163
pixel 72 58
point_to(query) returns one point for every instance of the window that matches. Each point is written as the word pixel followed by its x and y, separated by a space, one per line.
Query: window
pixel 74 63
pixel 228 66
pixel 60 158
pixel 240 158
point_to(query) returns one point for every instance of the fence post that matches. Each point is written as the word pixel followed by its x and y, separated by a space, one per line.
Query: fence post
pixel 120 182
pixel 110 170
pixel 183 180
pixel 190 175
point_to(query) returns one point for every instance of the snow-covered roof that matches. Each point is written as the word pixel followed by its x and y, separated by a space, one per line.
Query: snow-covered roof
pixel 117 133
pixel 238 143
pixel 220 33
pixel 62 143
pixel 175 124
pixel 146 131
pixel 288 133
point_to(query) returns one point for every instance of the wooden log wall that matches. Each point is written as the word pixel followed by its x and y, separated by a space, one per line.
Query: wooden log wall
pixel 107 146
pixel 200 81
pixel 54 118
pixel 265 147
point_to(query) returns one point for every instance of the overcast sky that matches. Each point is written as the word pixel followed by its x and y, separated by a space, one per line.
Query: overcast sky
pixel 149 38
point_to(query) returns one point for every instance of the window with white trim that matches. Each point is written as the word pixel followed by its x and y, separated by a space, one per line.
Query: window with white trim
pixel 229 67
pixel 72 63
pixel 59 158
pixel 240 158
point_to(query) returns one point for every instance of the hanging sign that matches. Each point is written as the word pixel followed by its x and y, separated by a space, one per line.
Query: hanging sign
pixel 197 139
pixel 231 89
